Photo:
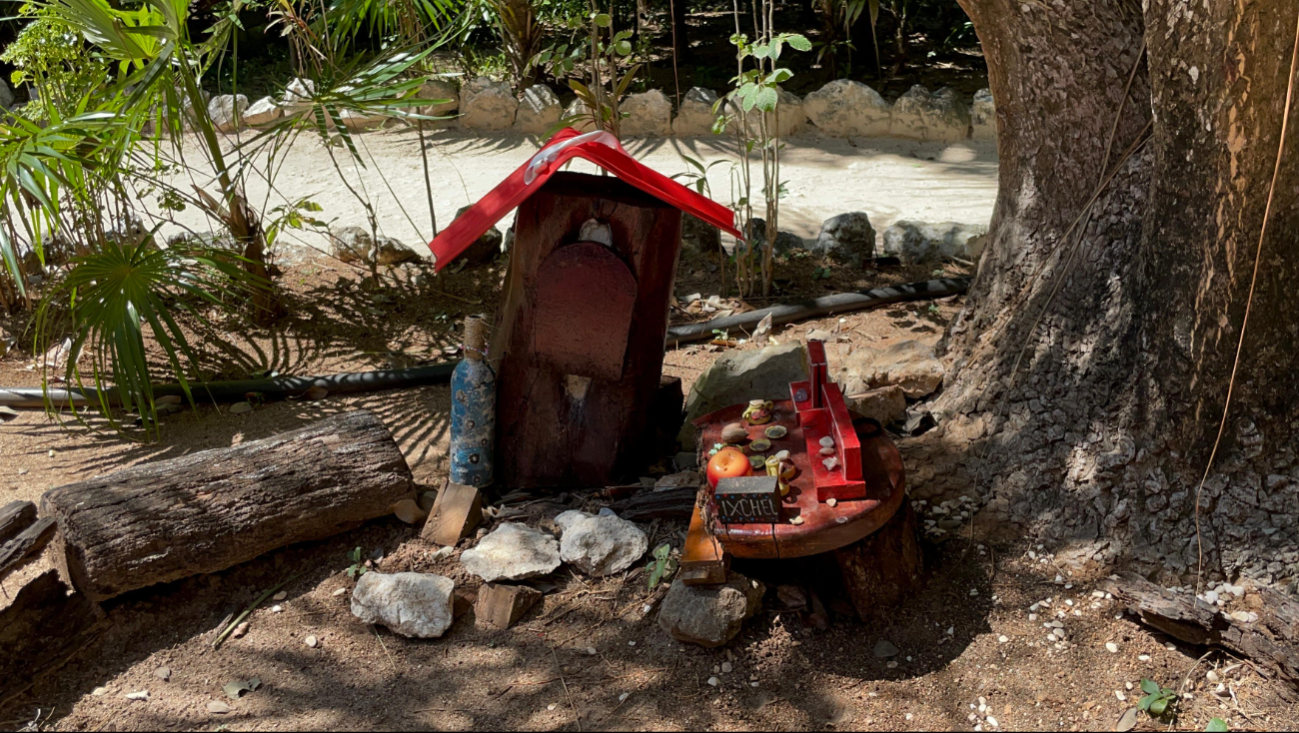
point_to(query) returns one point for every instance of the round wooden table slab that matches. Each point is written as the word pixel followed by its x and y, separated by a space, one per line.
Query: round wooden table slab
pixel 824 528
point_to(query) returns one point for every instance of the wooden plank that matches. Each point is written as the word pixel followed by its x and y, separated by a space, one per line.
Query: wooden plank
pixel 41 630
pixel 456 512
pixel 500 606
pixel 15 517
pixel 584 300
pixel 26 547
pixel 703 561
pixel 206 511
pixel 1272 640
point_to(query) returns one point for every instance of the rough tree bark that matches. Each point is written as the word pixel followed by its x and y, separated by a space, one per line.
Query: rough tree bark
pixel 1128 327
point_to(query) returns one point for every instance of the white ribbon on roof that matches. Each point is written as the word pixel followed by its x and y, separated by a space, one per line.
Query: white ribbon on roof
pixel 547 155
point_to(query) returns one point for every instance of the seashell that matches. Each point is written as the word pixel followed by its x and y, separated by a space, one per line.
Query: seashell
pixel 796 520
pixel 828 451
pixel 758 463
pixel 776 432
pixel 827 442
pixel 830 463
pixel 782 455
pixel 734 433
pixel 761 445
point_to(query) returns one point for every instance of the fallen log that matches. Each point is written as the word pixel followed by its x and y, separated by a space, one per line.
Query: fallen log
pixel 208 511
pixel 41 629
pixel 25 547
pixel 650 504
pixel 1271 641
pixel 15 517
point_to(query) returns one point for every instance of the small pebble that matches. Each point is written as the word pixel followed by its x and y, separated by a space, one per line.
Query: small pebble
pixel 891 664
pixel 727 667
pixel 280 596
pixel 217 707
pixel 340 592
pixel 631 643
pixel 831 502
pixel 1032 617
pixel 796 521
pixel 991 721
pixel 311 642
pixel 551 706
pixel 141 695
pixel 623 697
pixel 1111 647
pixel 277 608
pixel 99 691
pixel 591 651
pixel 162 673
pixel 1128 685
pixel 1143 657
pixel 240 630
pixel 1003 639
pixel 714 681
pixel 1119 694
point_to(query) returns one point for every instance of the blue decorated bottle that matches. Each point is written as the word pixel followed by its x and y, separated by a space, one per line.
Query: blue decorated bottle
pixel 473 410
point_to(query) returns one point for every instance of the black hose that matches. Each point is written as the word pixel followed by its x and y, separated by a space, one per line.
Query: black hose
pixel 275 388
pixel 825 305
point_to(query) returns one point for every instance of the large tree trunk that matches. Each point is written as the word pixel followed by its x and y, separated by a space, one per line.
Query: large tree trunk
pixel 210 510
pixel 1125 331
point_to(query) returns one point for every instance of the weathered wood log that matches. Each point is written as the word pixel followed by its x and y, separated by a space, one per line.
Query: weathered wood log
pixel 210 510
pixel 883 569
pixel 15 517
pixel 1272 640
pixel 649 504
pixel 41 629
pixel 27 546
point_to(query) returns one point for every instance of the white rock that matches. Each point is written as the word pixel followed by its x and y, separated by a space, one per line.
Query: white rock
pixel 311 641
pixel 845 108
pixel 714 681
pixel 1003 639
pixel 263 112
pixel 99 691
pixel 939 116
pixel 1143 657
pixel 695 115
pixel 727 667
pixel 600 545
pixel 360 120
pixel 647 114
pixel 983 116
pixel 788 119
pixel 410 604
pixel 539 110
pixel 578 116
pixel 914 241
pixel 512 552
pixel 142 695
pixel 909 364
pixel 1111 647
pixel 298 94
pixel 487 105
pixel 227 111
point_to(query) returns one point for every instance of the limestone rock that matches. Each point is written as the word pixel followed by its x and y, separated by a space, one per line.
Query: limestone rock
pixel 788 119
pixel 539 110
pixel 486 248
pixel 600 545
pixel 578 116
pixel 263 112
pixel 709 615
pixel 390 252
pixel 227 111
pixel 410 604
pixel 6 96
pixel 695 117
pixel 983 116
pixel 351 244
pixel 848 238
pixel 648 113
pixel 885 405
pixel 512 552
pixel 440 89
pixel 940 116
pixel 297 95
pixel 910 365
pixel 786 242
pixel 845 108
pixel 487 105
pixel 360 120
pixel 740 376
pixel 914 241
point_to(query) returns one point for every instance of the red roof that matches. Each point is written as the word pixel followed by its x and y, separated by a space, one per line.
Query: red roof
pixel 601 148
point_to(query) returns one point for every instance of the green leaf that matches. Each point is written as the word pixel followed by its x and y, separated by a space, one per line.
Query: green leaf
pixel 799 43
pixel 1150 687
pixel 622 48
pixel 1216 725
pixel 1144 703
pixel 766 99
pixel 1158 706
pixel 602 20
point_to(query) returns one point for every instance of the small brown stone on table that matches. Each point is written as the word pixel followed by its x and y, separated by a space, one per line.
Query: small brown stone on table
pixel 500 606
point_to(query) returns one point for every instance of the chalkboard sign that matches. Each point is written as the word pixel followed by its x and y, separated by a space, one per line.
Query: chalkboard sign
pixel 748 500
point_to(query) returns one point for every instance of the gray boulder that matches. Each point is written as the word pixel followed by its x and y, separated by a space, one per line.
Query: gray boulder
pixel 263 112
pixel 578 116
pixel 227 111
pixel 487 105
pixel 848 238
pixel 909 365
pixel 788 119
pixel 6 96
pixel 418 605
pixel 710 615
pixel 914 241
pixel 351 245
pixel 539 110
pixel 440 89
pixel 599 545
pixel 940 116
pixel 739 376
pixel 983 116
pixel 512 552
pixel 846 108
pixel 885 405
pixel 695 117
pixel 486 248
pixel 786 242
pixel 699 234
pixel 647 114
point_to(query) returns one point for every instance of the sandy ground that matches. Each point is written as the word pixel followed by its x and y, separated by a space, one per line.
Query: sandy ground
pixel 973 650
pixel 888 179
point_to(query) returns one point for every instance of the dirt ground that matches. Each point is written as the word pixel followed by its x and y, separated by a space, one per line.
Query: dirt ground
pixel 973 651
